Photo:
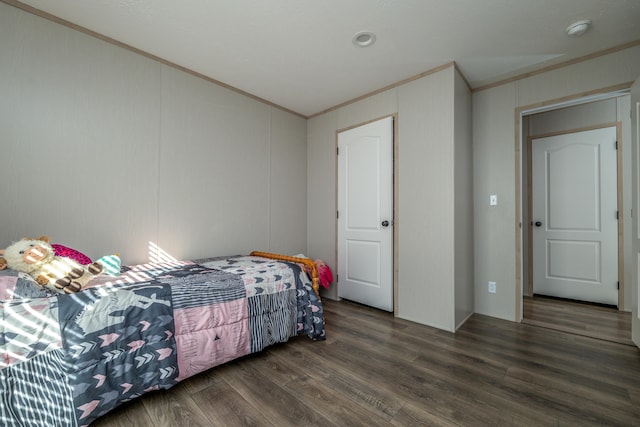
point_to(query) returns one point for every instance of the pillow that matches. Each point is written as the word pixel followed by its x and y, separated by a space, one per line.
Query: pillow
pixel 111 264
pixel 66 252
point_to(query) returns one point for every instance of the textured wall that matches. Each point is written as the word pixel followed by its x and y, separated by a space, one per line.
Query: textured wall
pixel 106 150
pixel 494 142
pixel 425 203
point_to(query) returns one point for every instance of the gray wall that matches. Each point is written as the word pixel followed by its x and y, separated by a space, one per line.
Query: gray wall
pixel 435 265
pixel 106 150
pixel 494 172
pixel 463 208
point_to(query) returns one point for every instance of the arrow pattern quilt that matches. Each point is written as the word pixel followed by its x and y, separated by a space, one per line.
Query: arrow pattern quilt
pixel 65 360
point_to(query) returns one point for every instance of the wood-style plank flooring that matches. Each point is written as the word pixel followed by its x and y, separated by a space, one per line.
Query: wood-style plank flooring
pixel 377 370
pixel 578 318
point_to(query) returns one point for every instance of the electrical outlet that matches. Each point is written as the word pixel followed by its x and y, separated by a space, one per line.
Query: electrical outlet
pixel 493 200
pixel 492 287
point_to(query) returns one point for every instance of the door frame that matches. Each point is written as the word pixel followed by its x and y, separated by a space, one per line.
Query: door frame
pixel 519 158
pixel 619 180
pixel 394 117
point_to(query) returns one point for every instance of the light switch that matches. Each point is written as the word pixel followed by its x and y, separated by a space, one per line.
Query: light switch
pixel 492 287
pixel 493 199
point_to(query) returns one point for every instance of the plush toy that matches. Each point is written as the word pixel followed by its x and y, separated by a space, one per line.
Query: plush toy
pixel 324 273
pixel 325 277
pixel 36 257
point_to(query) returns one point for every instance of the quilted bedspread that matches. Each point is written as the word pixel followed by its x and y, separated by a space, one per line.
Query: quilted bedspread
pixel 67 359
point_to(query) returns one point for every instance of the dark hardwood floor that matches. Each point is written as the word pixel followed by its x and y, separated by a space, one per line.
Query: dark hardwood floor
pixel 605 323
pixel 376 370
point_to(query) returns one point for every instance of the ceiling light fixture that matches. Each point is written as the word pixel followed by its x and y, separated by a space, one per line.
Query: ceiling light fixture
pixel 364 39
pixel 578 28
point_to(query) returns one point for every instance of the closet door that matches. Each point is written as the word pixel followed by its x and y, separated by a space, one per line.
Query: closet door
pixel 365 214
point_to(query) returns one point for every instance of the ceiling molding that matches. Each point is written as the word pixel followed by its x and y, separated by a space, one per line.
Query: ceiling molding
pixel 71 25
pixel 534 71
pixel 386 88
pixel 559 65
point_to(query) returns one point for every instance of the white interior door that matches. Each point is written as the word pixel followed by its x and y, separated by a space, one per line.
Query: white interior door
pixel 365 214
pixel 635 134
pixel 574 215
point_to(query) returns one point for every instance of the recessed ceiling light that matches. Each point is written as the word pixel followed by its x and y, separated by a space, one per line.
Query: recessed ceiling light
pixel 364 39
pixel 578 28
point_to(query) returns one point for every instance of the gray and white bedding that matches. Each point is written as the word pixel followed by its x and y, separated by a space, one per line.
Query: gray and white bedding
pixel 67 359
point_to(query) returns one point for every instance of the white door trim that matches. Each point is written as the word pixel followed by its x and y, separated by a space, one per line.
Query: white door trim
pixel 635 203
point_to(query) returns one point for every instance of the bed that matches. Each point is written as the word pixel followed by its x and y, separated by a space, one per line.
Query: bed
pixel 65 360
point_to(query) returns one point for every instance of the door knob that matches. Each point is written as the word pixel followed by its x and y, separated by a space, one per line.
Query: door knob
pixel 385 223
pixel 538 223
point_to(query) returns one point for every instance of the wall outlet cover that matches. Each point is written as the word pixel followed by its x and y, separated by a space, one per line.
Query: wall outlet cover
pixel 492 287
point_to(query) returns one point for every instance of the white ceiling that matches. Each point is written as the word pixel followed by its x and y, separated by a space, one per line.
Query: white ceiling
pixel 298 53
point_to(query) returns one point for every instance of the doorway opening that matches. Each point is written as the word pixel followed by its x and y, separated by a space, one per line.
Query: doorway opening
pixel 547 124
